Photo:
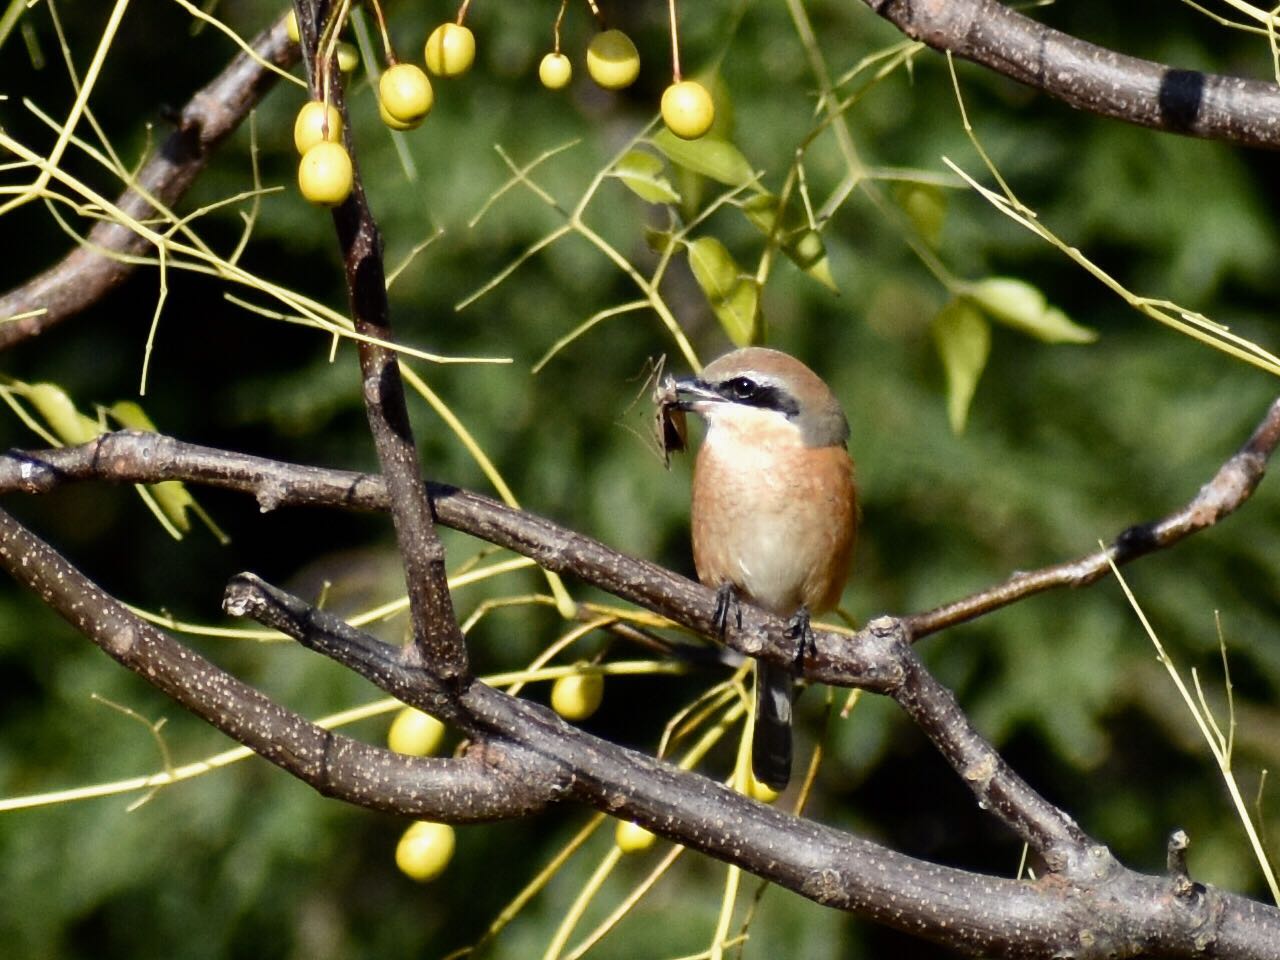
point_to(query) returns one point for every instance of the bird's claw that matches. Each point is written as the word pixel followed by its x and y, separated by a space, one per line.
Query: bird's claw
pixel 726 602
pixel 801 631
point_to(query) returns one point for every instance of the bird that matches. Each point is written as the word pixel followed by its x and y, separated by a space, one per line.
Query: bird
pixel 774 513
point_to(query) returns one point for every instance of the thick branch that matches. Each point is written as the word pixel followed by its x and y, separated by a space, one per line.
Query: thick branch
pixel 128 457
pixel 1049 831
pixel 488 785
pixel 87 274
pixel 1090 77
pixel 1116 913
pixel 436 633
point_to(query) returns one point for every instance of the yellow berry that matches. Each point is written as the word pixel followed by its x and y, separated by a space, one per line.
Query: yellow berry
pixel 291 26
pixel 632 838
pixel 404 95
pixel 425 850
pixel 687 109
pixel 451 49
pixel 612 60
pixel 555 71
pixel 391 121
pixel 324 174
pixel 348 56
pixel 414 733
pixel 315 123
pixel 578 695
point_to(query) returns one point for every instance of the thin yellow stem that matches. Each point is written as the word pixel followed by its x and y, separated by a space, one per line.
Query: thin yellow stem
pixel 675 43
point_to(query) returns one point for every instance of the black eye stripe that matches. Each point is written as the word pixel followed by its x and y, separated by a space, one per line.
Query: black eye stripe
pixel 752 393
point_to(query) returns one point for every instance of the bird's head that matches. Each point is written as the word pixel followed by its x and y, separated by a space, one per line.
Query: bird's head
pixel 758 391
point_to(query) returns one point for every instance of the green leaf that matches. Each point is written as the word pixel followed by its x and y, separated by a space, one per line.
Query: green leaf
pixel 962 336
pixel 718 159
pixel 645 175
pixel 67 423
pixel 131 416
pixel 659 241
pixel 926 206
pixel 733 296
pixel 174 500
pixel 1019 305
pixel 802 244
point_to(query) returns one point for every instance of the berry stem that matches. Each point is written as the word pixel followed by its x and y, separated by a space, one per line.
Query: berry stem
pixel 598 14
pixel 555 30
pixel 387 49
pixel 675 44
pixel 462 11
pixel 327 45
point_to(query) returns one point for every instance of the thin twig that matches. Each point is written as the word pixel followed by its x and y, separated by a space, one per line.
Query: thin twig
pixel 1229 488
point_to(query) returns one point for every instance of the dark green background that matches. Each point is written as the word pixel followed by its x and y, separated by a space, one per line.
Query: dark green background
pixel 1065 445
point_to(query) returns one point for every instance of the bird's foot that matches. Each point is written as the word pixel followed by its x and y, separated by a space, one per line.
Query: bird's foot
pixel 727 603
pixel 799 630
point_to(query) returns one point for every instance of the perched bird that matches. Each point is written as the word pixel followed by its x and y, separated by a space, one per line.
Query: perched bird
pixel 774 512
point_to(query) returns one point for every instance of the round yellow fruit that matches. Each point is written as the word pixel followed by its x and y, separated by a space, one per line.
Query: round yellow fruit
pixel 404 95
pixel 578 695
pixel 414 733
pixel 325 175
pixel 632 838
pixel 687 109
pixel 392 122
pixel 555 71
pixel 612 60
pixel 425 850
pixel 451 49
pixel 316 123
pixel 348 56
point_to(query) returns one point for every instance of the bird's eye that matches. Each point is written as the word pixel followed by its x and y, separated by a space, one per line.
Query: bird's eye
pixel 741 388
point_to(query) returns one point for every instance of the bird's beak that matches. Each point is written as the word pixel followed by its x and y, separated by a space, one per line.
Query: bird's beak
pixel 692 392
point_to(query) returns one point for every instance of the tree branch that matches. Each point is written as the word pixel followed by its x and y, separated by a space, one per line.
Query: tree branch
pixel 488 785
pixel 878 658
pixel 1114 912
pixel 1093 78
pixel 832 869
pixel 1229 488
pixel 436 634
pixel 127 457
pixel 91 271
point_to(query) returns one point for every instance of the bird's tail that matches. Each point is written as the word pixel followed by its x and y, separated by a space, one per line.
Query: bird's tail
pixel 771 743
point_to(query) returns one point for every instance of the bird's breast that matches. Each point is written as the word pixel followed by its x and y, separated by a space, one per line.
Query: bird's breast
pixel 774 518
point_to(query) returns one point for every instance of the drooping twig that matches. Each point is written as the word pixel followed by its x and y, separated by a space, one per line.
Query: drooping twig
pixel 436 633
pixel 1090 77
pixel 479 787
pixel 90 272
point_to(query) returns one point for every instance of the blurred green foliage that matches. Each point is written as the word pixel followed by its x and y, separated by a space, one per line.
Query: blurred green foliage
pixel 1064 445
